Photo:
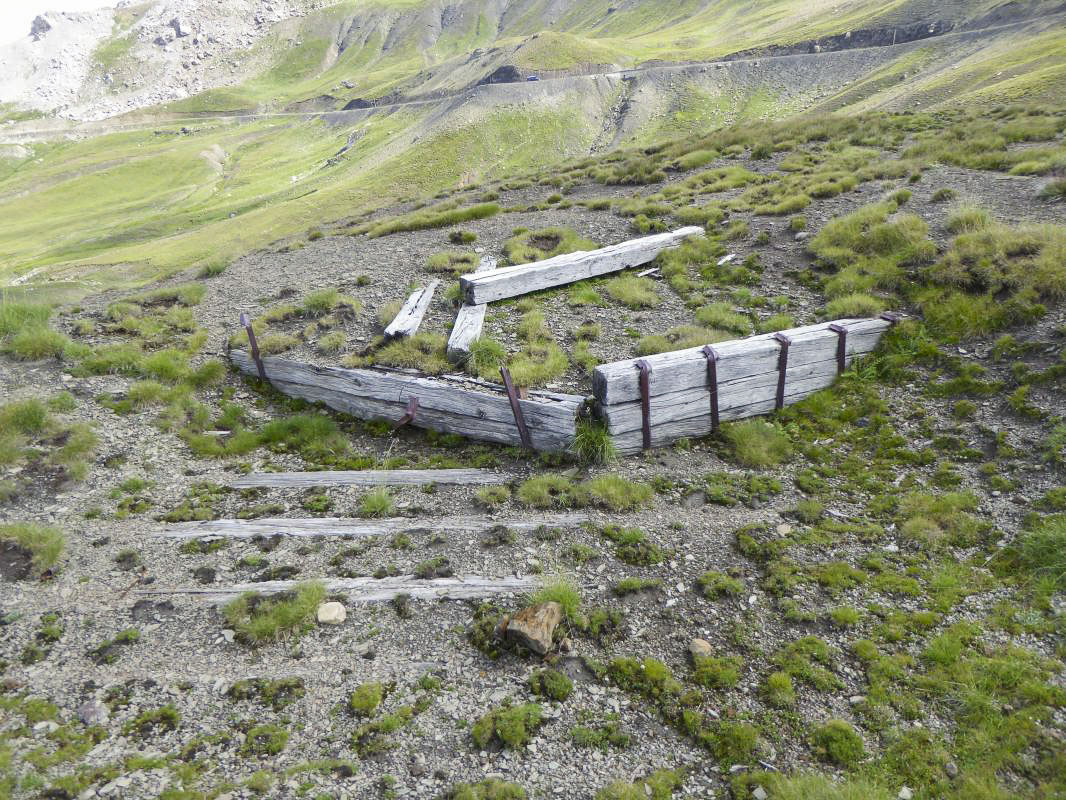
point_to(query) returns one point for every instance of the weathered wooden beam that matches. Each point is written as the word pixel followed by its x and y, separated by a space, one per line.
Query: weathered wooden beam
pixel 452 404
pixel 410 316
pixel 568 268
pixel 468 322
pixel 370 477
pixel 687 369
pixel 358 528
pixel 735 393
pixel 374 590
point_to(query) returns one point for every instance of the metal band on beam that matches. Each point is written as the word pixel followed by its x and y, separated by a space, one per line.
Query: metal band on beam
pixel 712 383
pixel 782 368
pixel 516 408
pixel 645 400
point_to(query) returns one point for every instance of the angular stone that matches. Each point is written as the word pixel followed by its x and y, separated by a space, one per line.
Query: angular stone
pixel 759 793
pixel 331 613
pixel 533 627
pixel 93 712
pixel 700 648
pixel 905 793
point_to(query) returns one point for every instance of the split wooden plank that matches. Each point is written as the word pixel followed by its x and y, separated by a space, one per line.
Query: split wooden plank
pixel 374 590
pixel 369 477
pixel 358 528
pixel 468 322
pixel 450 404
pixel 687 369
pixel 410 316
pixel 569 268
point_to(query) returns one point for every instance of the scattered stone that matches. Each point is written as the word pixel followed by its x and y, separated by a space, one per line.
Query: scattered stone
pixel 93 712
pixel 759 793
pixel 700 648
pixel 784 529
pixel 857 699
pixel 905 793
pixel 331 613
pixel 533 627
pixel 228 635
pixel 952 770
pixel 46 726
pixel 694 500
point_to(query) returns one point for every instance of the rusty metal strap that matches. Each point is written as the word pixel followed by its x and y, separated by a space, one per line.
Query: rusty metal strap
pixel 712 383
pixel 409 416
pixel 253 345
pixel 516 408
pixel 842 346
pixel 891 317
pixel 782 368
pixel 645 400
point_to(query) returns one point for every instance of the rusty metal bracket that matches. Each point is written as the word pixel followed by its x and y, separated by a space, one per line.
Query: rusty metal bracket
pixel 645 400
pixel 891 317
pixel 842 346
pixel 253 345
pixel 782 368
pixel 712 383
pixel 409 416
pixel 516 408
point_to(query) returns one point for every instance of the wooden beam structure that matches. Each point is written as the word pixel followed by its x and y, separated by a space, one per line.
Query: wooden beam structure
pixel 500 284
pixel 370 477
pixel 468 322
pixel 452 404
pixel 410 317
pixel 359 528
pixel 751 376
pixel 375 590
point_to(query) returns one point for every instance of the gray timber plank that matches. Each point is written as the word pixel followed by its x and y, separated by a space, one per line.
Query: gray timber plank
pixel 677 370
pixel 386 477
pixel 468 322
pixel 569 268
pixel 373 590
pixel 410 316
pixel 357 528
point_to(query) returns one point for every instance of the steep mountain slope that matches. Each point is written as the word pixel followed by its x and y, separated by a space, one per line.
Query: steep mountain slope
pixel 334 111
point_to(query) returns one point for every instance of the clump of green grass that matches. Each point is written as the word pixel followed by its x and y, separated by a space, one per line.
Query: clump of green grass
pixel 332 342
pixel 562 591
pixel 633 292
pixel 434 217
pixel 593 444
pixel 42 543
pixel 716 672
pixel 778 691
pixel 715 585
pixel 451 261
pixel 426 352
pixel 493 496
pixel 366 698
pixel 377 503
pixel 757 443
pixel 584 294
pixel 537 364
pixel 551 683
pixel 1041 552
pixel 513 727
pixel 462 237
pixel 1054 190
pixel 777 322
pixel 838 742
pixel 259 620
pixel 659 785
pixel 682 337
pixel 722 316
pixel 858 304
pixel 968 219
pixel 488 789
pixel 538 245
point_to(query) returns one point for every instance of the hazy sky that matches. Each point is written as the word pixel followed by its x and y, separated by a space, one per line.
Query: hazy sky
pixel 16 15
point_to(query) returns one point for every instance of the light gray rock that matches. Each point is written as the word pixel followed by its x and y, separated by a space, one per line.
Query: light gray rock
pixel 533 627
pixel 93 712
pixel 331 613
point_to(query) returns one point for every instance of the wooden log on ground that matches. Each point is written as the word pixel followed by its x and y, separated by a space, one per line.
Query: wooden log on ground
pixel 569 268
pixel 373 590
pixel 452 404
pixel 468 322
pixel 410 316
pixel 358 528
pixel 748 376
pixel 370 477
pixel 687 369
